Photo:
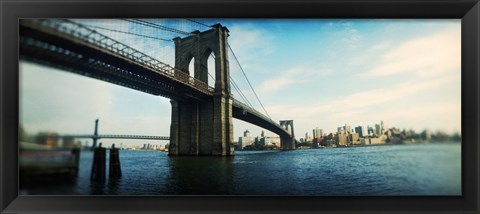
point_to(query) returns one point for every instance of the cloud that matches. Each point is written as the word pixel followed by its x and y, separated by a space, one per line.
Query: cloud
pixel 347 106
pixel 345 33
pixel 432 55
pixel 292 76
pixel 249 42
pixel 285 79
pixel 381 46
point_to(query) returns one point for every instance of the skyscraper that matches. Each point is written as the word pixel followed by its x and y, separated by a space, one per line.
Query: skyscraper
pixel 378 129
pixel 317 133
pixel 360 130
pixel 370 130
pixel 347 128
pixel 246 133
pixel 308 137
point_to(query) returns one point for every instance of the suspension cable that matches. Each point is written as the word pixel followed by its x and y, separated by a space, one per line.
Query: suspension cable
pixel 199 23
pixel 235 86
pixel 231 79
pixel 161 27
pixel 239 91
pixel 248 81
pixel 157 26
pixel 125 32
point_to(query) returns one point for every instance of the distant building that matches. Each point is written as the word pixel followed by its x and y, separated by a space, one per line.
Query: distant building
pixel 270 141
pixel 370 130
pixel 237 145
pixel 329 143
pixel 317 133
pixel 341 139
pixel 47 138
pixel 360 130
pixel 378 129
pixel 246 133
pixel 354 139
pixel 375 141
pixel 371 141
pixel 245 141
pixel 69 142
pixel 308 137
pixel 347 129
pixel 364 141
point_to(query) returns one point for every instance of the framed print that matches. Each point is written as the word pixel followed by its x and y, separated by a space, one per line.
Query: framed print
pixel 240 106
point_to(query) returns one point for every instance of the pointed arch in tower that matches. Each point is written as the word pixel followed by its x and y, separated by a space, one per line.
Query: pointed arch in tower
pixel 203 127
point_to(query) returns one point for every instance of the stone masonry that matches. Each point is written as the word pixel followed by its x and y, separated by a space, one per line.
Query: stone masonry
pixel 203 127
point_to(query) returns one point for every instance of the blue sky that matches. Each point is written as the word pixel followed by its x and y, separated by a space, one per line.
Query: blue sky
pixel 321 73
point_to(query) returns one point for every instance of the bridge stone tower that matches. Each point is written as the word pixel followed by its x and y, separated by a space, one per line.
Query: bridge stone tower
pixel 203 127
pixel 287 142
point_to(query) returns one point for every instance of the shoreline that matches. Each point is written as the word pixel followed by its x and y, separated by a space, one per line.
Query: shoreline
pixel 353 146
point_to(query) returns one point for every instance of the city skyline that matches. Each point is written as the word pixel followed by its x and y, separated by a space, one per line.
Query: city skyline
pixel 357 72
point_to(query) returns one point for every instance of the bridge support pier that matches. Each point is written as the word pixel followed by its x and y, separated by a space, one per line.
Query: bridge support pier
pixel 288 142
pixel 203 127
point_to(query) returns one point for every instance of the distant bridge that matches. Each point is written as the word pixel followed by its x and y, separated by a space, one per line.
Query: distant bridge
pixel 111 136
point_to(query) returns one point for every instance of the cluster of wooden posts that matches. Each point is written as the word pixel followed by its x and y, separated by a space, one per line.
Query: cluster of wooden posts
pixel 99 162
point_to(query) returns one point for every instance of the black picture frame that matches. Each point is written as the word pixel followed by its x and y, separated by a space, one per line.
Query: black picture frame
pixel 466 10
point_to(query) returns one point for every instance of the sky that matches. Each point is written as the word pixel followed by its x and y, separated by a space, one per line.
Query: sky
pixel 321 73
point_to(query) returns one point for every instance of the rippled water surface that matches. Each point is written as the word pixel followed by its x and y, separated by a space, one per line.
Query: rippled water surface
pixel 423 169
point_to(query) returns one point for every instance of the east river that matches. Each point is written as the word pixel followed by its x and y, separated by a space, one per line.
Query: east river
pixel 415 169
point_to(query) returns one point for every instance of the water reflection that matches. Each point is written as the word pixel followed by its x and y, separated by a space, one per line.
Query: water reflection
pixel 201 175
pixel 113 185
pixel 97 188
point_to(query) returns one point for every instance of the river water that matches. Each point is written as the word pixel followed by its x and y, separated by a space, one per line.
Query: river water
pixel 416 169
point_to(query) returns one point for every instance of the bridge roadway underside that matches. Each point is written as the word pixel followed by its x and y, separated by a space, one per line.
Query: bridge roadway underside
pixel 239 112
pixel 56 51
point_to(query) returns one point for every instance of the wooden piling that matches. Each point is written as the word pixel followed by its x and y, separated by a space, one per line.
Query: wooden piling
pixel 98 165
pixel 76 153
pixel 115 170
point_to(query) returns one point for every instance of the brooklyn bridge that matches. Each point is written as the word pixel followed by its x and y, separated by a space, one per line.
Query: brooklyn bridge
pixel 201 113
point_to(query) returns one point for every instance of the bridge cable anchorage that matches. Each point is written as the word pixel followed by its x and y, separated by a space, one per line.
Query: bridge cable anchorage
pixel 248 81
pixel 129 33
pixel 157 26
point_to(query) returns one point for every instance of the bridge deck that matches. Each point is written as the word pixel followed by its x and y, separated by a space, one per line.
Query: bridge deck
pixel 84 51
